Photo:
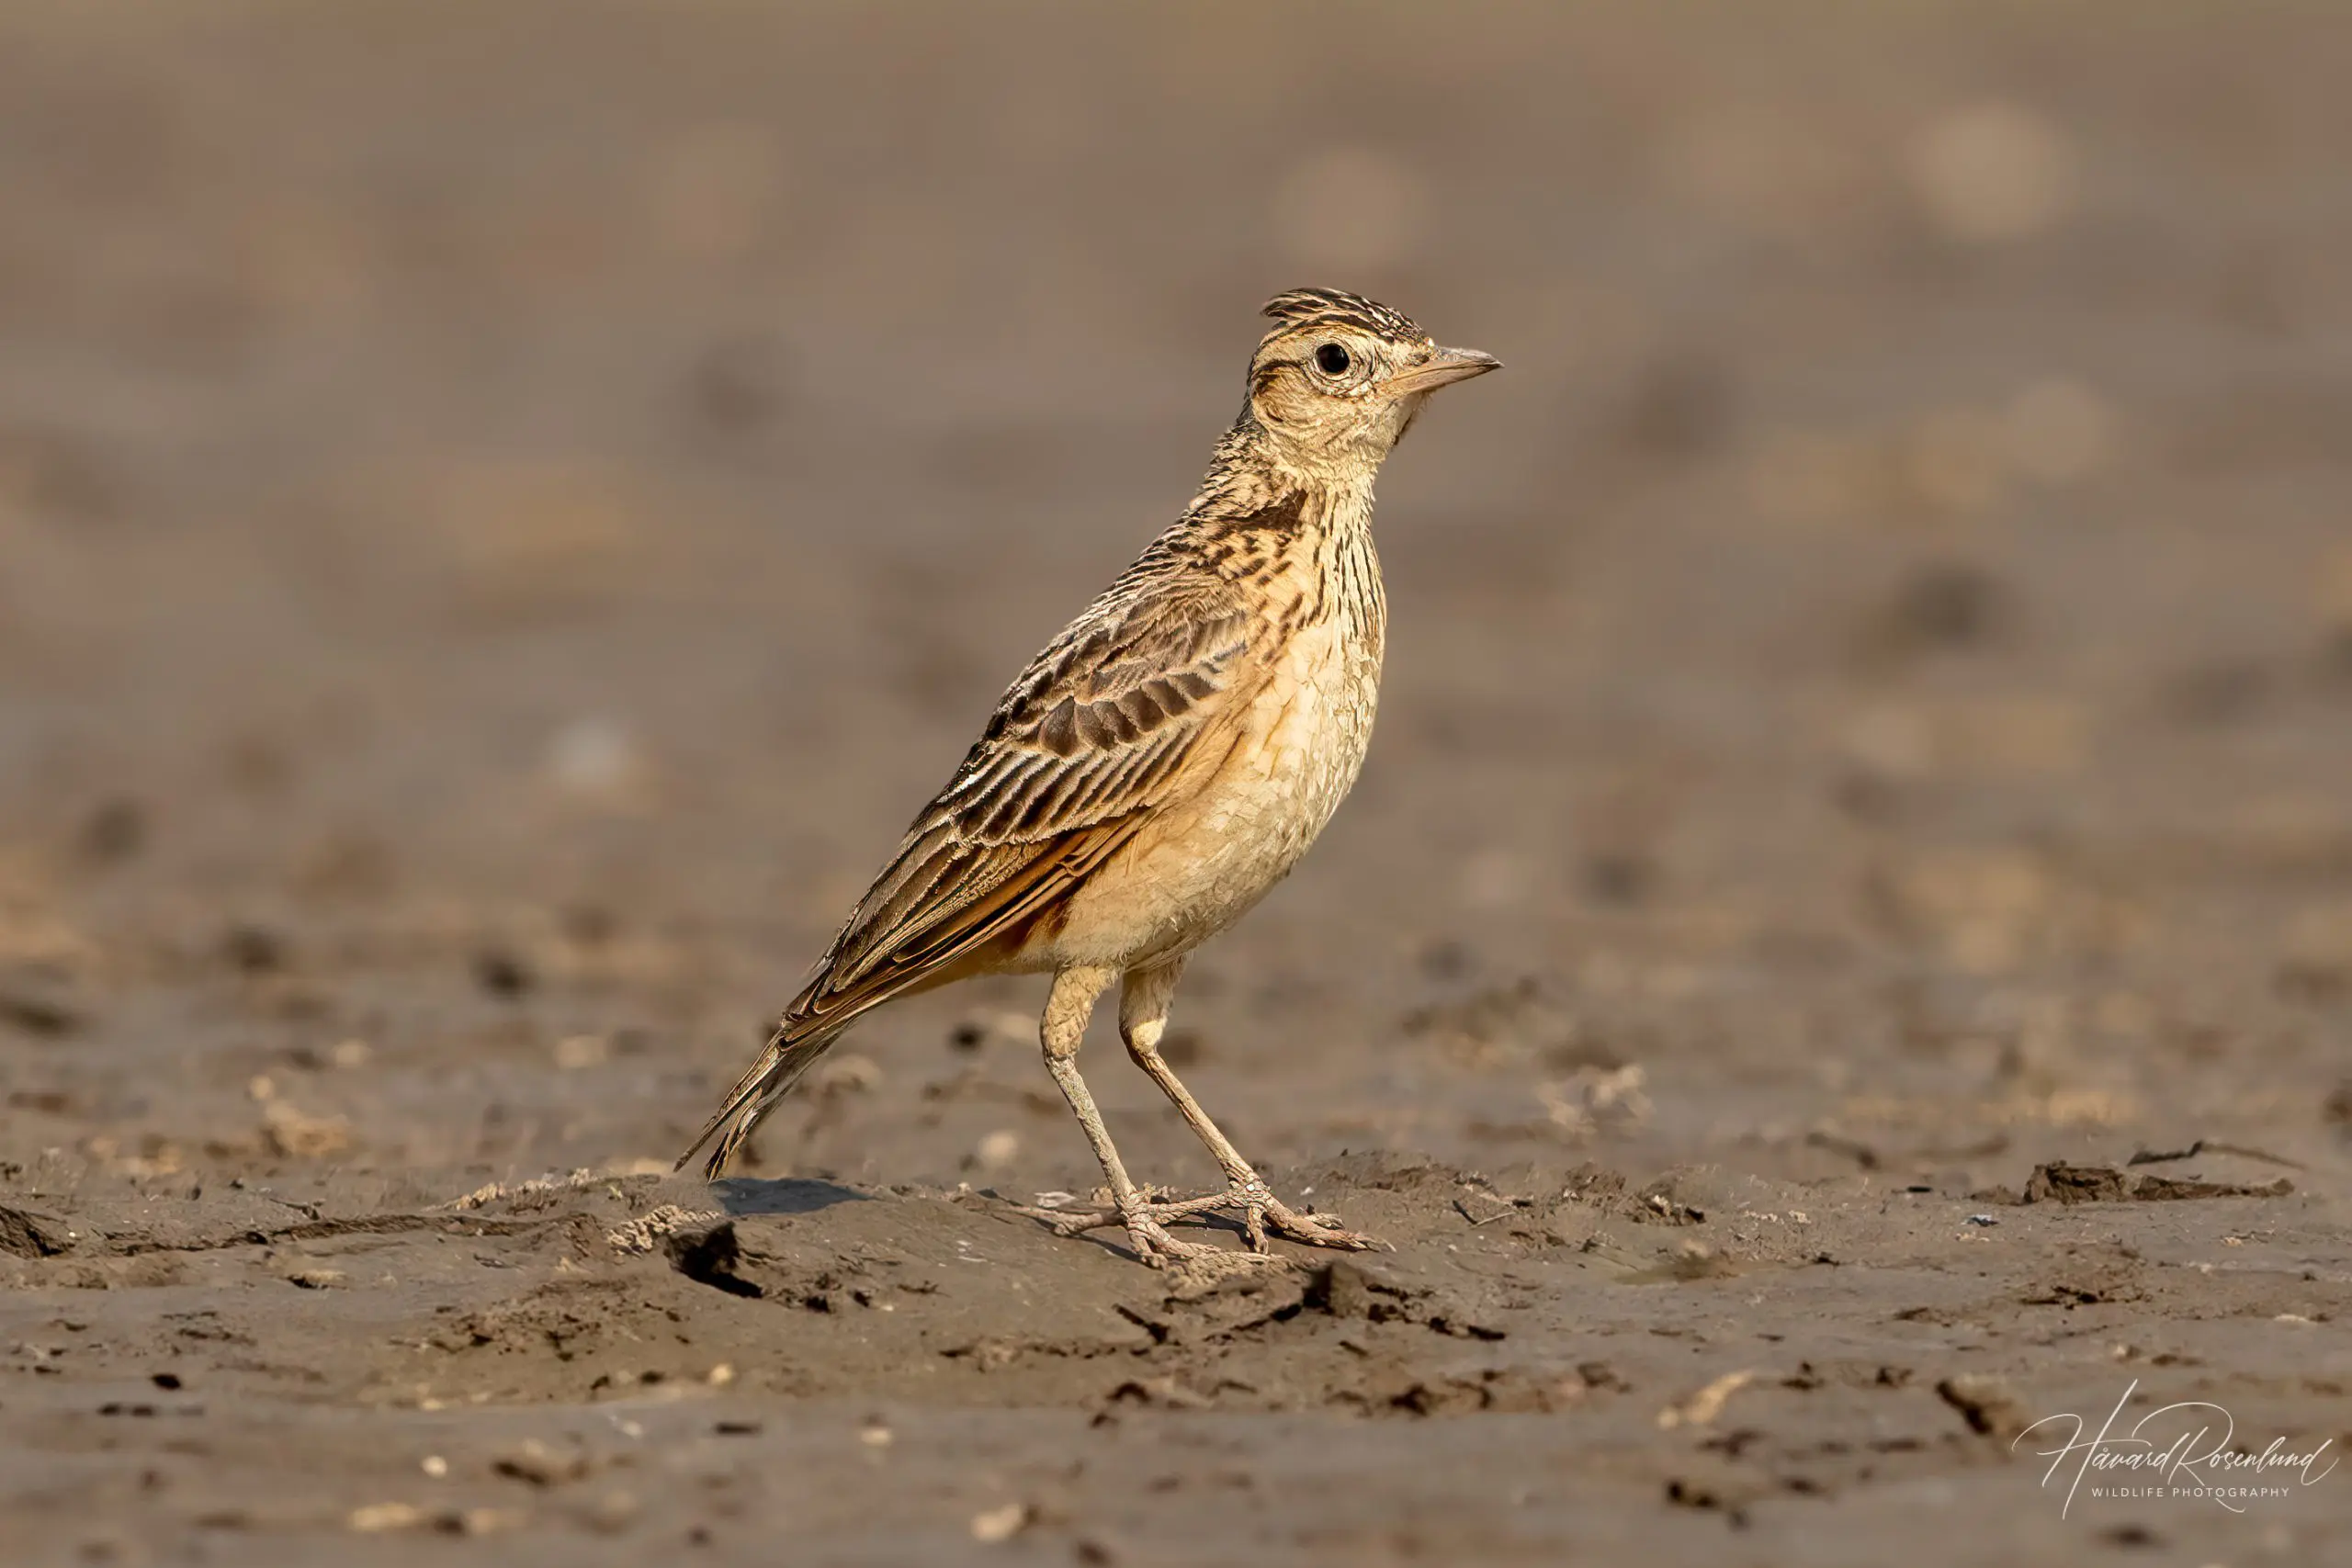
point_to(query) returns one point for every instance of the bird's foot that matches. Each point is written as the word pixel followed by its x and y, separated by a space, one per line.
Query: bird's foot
pixel 1261 1210
pixel 1146 1222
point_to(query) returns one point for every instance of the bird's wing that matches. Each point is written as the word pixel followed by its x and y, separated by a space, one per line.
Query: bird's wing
pixel 1124 712
pixel 1128 710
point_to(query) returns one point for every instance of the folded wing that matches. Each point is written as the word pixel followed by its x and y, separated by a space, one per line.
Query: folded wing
pixel 1128 710
pixel 1114 720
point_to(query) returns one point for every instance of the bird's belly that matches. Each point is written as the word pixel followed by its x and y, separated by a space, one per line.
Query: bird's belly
pixel 1200 865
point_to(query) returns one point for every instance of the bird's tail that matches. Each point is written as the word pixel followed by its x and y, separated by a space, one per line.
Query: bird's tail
pixel 787 1056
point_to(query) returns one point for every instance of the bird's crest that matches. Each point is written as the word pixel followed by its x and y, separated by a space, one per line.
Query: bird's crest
pixel 1318 307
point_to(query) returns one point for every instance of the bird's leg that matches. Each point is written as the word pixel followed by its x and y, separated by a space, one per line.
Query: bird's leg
pixel 1067 1008
pixel 1143 1018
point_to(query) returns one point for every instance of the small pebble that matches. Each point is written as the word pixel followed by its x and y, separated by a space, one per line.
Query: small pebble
pixel 374 1517
pixel 613 1512
pixel 534 1462
pixel 996 1524
pixel 481 1521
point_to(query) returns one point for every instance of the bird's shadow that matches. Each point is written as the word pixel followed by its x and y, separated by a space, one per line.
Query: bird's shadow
pixel 743 1195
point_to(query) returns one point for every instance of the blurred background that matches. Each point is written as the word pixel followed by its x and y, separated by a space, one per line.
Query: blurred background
pixel 505 510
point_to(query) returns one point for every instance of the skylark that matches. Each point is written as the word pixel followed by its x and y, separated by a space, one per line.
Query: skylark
pixel 1163 762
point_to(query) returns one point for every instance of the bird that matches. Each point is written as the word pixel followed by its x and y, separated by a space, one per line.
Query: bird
pixel 1160 766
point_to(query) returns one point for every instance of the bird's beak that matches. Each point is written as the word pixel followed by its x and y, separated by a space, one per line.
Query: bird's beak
pixel 1443 368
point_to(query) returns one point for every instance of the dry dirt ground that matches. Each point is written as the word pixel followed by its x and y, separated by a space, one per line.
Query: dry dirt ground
pixel 1843 949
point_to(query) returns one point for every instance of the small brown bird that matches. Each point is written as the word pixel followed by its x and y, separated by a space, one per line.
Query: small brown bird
pixel 1163 762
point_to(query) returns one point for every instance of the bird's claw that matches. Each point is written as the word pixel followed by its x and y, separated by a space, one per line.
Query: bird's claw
pixel 1313 1229
pixel 1145 1221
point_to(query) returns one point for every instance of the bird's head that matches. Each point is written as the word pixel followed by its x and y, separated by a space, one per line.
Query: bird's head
pixel 1336 381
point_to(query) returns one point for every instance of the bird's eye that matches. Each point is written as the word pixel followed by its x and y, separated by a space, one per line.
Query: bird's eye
pixel 1331 359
